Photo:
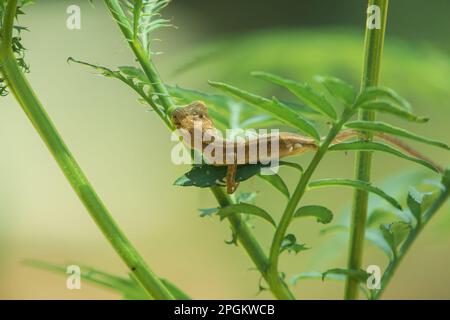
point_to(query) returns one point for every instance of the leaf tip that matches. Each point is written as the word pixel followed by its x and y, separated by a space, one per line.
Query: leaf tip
pixel 258 74
pixel 214 84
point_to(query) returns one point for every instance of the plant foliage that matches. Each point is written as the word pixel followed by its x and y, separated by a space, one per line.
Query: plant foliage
pixel 333 105
pixel 17 46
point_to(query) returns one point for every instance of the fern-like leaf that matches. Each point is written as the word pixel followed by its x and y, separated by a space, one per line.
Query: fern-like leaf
pixel 17 46
pixel 144 17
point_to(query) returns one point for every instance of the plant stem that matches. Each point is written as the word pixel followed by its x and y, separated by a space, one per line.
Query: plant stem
pixel 392 267
pixel 245 236
pixel 254 250
pixel 374 40
pixel 295 199
pixel 33 108
pixel 141 55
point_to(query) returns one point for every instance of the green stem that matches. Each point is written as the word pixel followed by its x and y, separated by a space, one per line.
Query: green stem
pixel 141 55
pixel 252 247
pixel 149 100
pixel 374 41
pixel 392 267
pixel 245 236
pixel 33 108
pixel 295 199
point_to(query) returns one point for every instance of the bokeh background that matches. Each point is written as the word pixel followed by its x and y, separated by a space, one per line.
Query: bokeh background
pixel 125 149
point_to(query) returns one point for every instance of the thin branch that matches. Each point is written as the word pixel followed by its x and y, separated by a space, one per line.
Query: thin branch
pixel 33 108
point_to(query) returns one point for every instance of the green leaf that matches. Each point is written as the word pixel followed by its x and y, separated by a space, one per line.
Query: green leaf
pixel 103 70
pixel 219 107
pixel 386 106
pixel 338 228
pixel 289 244
pixel 395 233
pixel 302 91
pixel 132 77
pixel 323 215
pixel 357 274
pixel 375 237
pixel 141 17
pixel 379 215
pixel 278 183
pixel 414 202
pixel 17 47
pixel 373 93
pixel 377 146
pixel 446 178
pixel 133 73
pixel 382 127
pixel 315 275
pixel 388 237
pixel 225 110
pixel 275 107
pixel 208 212
pixel 245 208
pixel 292 165
pixel 338 89
pixel 362 185
pixel 128 287
pixel 248 197
pixel 204 176
pixel 138 6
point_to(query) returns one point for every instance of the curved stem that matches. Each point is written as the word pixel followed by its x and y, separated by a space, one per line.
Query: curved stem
pixel 392 267
pixel 295 199
pixel 244 235
pixel 252 247
pixel 374 41
pixel 33 108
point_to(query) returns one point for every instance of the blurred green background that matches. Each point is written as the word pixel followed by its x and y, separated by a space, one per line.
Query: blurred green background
pixel 125 149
